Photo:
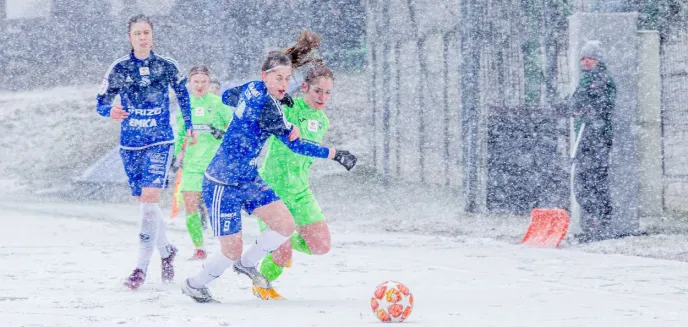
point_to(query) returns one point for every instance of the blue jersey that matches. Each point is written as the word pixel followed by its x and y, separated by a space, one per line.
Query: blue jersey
pixel 257 116
pixel 143 86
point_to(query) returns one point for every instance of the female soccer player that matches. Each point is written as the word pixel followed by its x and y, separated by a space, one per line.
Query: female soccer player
pixel 210 118
pixel 142 79
pixel 232 182
pixel 288 174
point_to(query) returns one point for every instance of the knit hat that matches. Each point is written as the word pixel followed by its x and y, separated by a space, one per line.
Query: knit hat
pixel 592 49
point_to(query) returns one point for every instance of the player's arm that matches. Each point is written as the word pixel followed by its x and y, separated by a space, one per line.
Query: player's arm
pixel 232 96
pixel 222 116
pixel 180 132
pixel 273 121
pixel 178 82
pixel 110 87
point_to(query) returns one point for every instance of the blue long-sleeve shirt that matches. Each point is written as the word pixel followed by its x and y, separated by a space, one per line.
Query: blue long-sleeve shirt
pixel 257 116
pixel 143 88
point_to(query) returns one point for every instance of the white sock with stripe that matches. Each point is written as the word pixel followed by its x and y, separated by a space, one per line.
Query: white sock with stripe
pixel 267 242
pixel 147 235
pixel 212 269
pixel 162 241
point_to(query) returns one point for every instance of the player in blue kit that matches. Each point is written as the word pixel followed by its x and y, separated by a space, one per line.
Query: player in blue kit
pixel 142 79
pixel 232 182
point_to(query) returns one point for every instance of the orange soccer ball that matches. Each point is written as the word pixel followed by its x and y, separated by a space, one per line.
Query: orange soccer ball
pixel 392 302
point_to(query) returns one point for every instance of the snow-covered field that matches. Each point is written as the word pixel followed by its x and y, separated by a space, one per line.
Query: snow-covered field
pixel 62 261
pixel 62 264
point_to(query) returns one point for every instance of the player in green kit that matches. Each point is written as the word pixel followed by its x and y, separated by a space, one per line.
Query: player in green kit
pixel 288 175
pixel 210 118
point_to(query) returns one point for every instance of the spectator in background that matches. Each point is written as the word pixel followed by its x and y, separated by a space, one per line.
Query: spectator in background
pixel 591 106
pixel 214 87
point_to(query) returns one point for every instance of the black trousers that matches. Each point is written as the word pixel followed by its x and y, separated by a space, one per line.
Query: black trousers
pixel 594 196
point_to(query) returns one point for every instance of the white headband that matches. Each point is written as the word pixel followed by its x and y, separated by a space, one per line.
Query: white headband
pixel 276 68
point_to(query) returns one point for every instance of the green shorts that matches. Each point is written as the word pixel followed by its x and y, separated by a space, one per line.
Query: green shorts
pixel 304 208
pixel 191 182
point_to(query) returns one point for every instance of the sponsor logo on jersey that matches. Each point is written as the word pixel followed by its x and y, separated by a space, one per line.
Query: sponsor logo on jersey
pixel 199 111
pixel 314 125
pixel 159 158
pixel 202 128
pixel 145 81
pixel 144 71
pixel 146 112
pixel 143 123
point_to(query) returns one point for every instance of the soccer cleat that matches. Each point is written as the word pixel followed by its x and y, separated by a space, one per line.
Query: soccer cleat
pixel 266 293
pixel 251 272
pixel 200 295
pixel 200 254
pixel 136 279
pixel 167 268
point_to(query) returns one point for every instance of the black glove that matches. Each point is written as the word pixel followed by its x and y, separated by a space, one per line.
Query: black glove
pixel 217 133
pixel 287 100
pixel 345 158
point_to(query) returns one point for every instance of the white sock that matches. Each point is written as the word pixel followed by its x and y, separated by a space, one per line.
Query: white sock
pixel 162 241
pixel 147 236
pixel 212 269
pixel 265 243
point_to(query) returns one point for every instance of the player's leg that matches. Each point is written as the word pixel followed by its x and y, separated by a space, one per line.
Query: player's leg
pixel 313 232
pixel 133 162
pixel 224 206
pixel 157 161
pixel 312 236
pixel 203 213
pixel 264 203
pixel 191 186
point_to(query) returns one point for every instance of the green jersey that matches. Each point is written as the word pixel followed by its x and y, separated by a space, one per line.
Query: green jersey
pixel 206 112
pixel 285 171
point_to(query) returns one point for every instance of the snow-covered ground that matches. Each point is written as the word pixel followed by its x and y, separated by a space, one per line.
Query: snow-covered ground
pixel 62 264
pixel 62 261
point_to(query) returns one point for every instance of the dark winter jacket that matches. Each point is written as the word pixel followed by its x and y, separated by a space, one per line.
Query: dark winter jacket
pixel 594 98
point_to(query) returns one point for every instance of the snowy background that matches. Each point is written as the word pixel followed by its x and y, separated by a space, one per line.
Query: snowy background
pixel 63 255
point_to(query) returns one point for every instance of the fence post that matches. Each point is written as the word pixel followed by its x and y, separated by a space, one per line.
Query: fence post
pixel 649 120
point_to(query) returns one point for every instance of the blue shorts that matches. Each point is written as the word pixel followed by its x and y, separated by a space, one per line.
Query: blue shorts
pixel 147 167
pixel 224 203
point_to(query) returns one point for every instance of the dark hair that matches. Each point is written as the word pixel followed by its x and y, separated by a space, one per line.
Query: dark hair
pixel 317 71
pixel 296 55
pixel 199 70
pixel 140 18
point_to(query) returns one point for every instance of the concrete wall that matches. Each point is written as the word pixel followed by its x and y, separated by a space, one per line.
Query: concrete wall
pixel 617 33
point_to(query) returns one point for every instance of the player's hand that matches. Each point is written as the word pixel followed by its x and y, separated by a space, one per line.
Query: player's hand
pixel 193 135
pixel 118 114
pixel 295 134
pixel 345 158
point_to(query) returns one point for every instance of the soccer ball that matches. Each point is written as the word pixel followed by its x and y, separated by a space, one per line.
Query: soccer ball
pixel 392 302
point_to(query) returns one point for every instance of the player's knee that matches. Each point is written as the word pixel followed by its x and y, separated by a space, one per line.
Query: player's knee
pixel 282 255
pixel 150 196
pixel 322 247
pixel 285 226
pixel 231 250
pixel 231 253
